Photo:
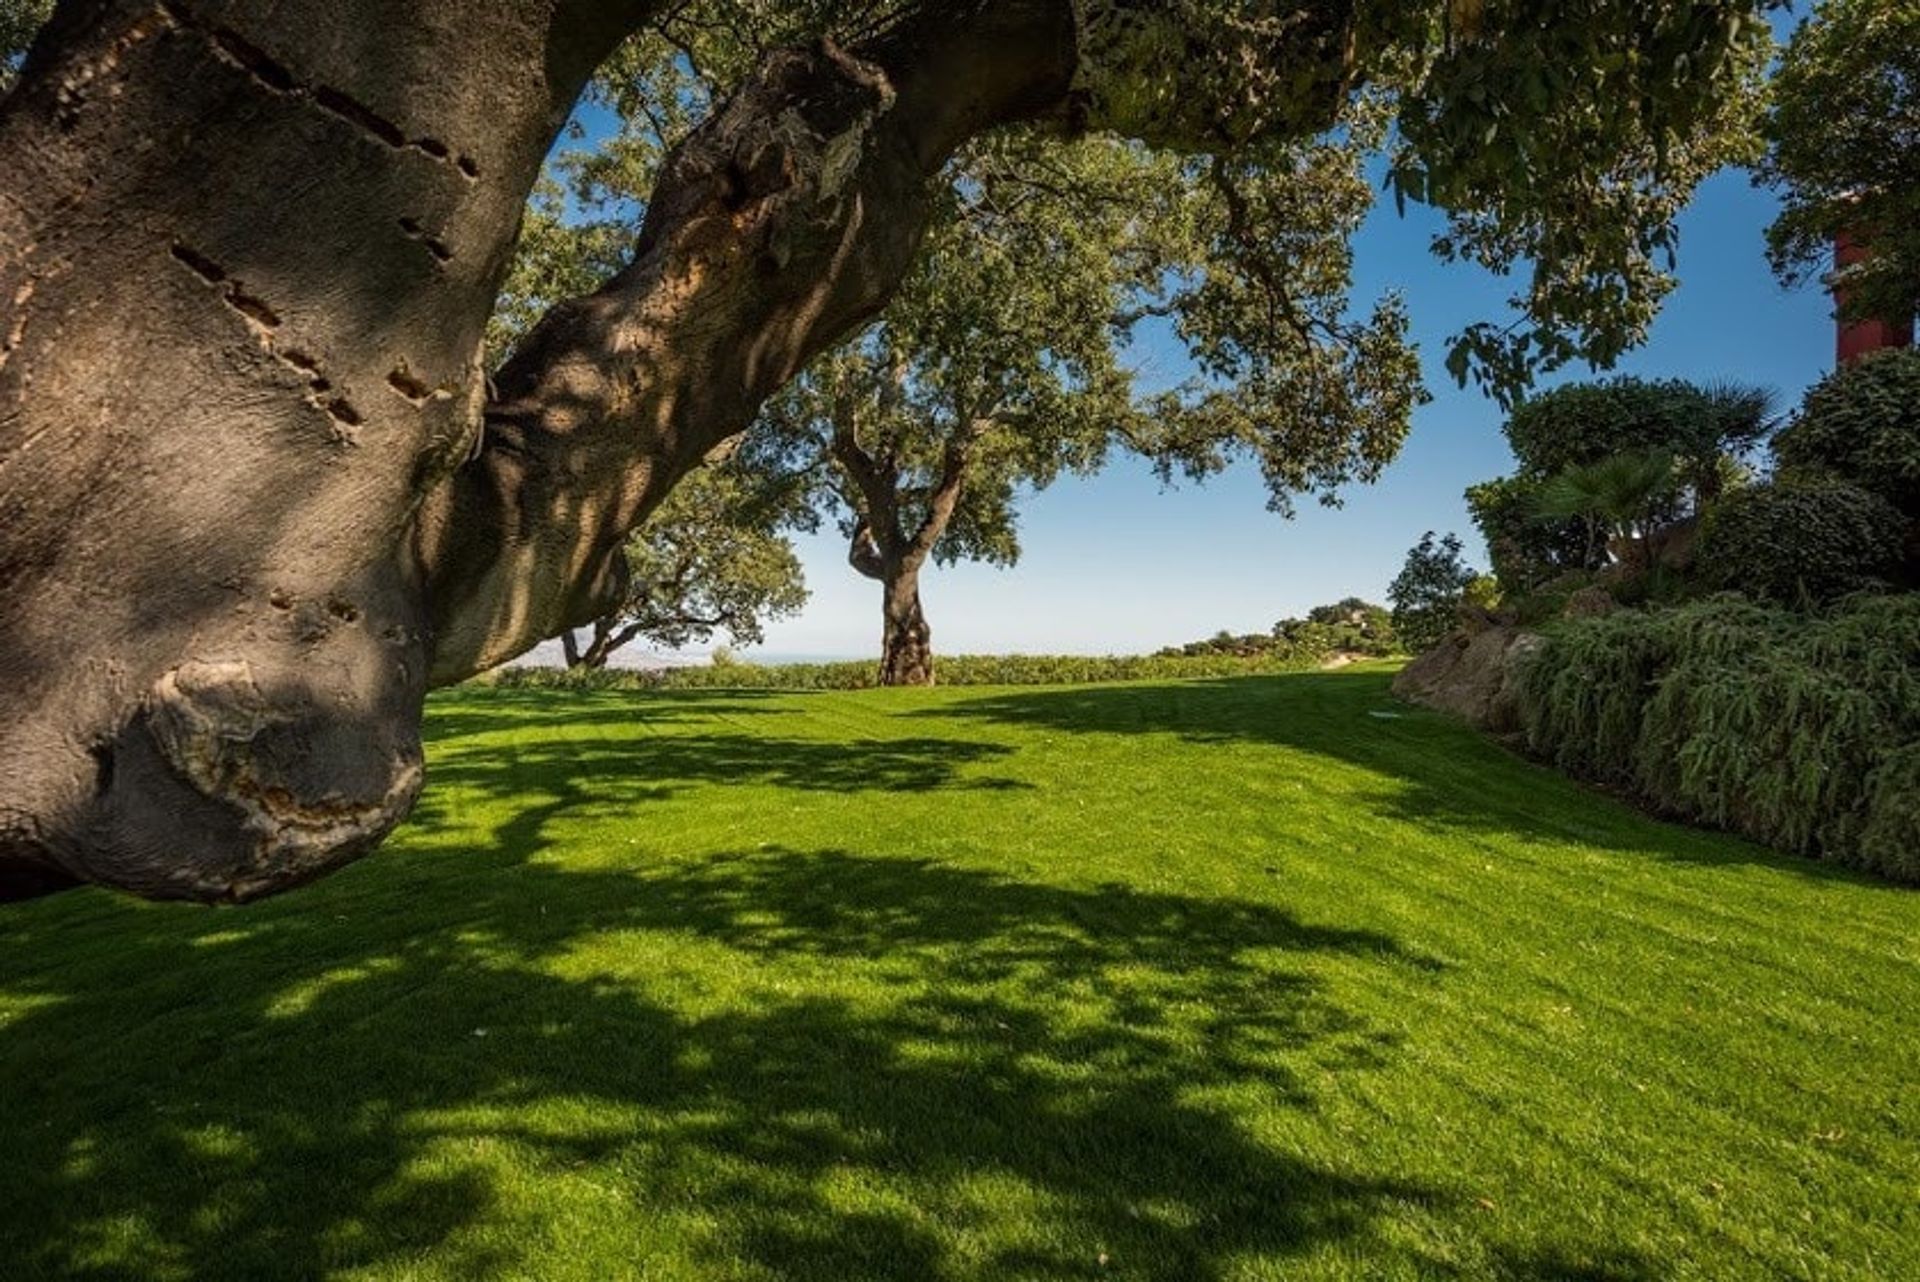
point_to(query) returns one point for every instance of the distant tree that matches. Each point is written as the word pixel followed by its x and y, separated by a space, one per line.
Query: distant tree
pixel 1348 626
pixel 1428 591
pixel 999 365
pixel 1844 154
pixel 713 560
pixel 994 370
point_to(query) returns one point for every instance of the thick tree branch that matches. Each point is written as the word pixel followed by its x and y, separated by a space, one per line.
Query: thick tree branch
pixel 784 221
pixel 863 552
pixel 944 499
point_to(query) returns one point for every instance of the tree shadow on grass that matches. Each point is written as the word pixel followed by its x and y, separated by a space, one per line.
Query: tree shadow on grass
pixel 479 709
pixel 1439 771
pixel 655 767
pixel 341 1083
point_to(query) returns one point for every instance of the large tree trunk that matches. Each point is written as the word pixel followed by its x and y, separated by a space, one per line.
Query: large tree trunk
pixel 253 497
pixel 247 256
pixel 906 647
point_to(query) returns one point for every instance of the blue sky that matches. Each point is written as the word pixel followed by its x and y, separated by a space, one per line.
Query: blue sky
pixel 1117 564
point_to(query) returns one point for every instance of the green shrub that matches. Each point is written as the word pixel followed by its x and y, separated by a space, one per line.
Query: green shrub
pixel 1428 592
pixel 1890 837
pixel 954 670
pixel 1584 695
pixel 1862 424
pixel 1801 731
pixel 1526 550
pixel 1807 539
pixel 1579 424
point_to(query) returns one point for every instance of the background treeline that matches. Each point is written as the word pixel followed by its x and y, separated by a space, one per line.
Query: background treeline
pixel 1350 627
pixel 958 670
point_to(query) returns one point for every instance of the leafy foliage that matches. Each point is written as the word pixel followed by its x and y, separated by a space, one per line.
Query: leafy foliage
pixel 713 560
pixel 1520 112
pixel 1800 731
pixel 993 371
pixel 998 366
pixel 1579 424
pixel 1577 444
pixel 1803 540
pixel 1527 550
pixel 1618 499
pixel 1258 124
pixel 20 20
pixel 1841 152
pixel 1862 424
pixel 1428 591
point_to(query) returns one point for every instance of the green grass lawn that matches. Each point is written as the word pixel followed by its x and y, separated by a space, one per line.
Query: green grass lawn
pixel 1227 979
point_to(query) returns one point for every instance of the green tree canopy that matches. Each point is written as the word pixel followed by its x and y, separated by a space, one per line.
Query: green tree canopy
pixel 1843 150
pixel 1427 593
pixel 714 560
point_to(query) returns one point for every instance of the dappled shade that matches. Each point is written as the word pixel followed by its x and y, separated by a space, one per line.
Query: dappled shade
pixel 1195 980
pixel 337 1102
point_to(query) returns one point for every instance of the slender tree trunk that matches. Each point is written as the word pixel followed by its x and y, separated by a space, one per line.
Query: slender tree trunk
pixel 906 644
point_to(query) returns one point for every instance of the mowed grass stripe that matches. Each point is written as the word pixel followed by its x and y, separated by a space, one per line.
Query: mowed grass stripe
pixel 1217 979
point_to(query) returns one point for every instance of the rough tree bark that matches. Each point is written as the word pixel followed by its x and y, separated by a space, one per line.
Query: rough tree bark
pixel 883 549
pixel 253 495
pixel 246 259
pixel 906 653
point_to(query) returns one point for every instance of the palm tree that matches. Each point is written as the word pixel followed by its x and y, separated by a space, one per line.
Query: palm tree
pixel 1733 418
pixel 1618 497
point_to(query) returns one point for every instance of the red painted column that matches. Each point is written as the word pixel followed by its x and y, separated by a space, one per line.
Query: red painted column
pixel 1855 339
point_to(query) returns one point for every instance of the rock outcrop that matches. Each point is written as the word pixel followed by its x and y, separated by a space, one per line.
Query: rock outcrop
pixel 1471 675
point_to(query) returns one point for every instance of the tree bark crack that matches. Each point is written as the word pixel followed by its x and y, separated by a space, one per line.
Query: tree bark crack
pixel 273 75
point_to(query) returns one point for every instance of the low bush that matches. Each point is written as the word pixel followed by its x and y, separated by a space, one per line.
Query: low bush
pixel 1527 551
pixel 953 670
pixel 1804 540
pixel 1861 423
pixel 1800 731
pixel 1315 644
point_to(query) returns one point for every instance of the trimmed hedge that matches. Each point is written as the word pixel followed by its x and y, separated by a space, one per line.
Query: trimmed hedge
pixel 1862 423
pixel 1807 540
pixel 952 670
pixel 1799 731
